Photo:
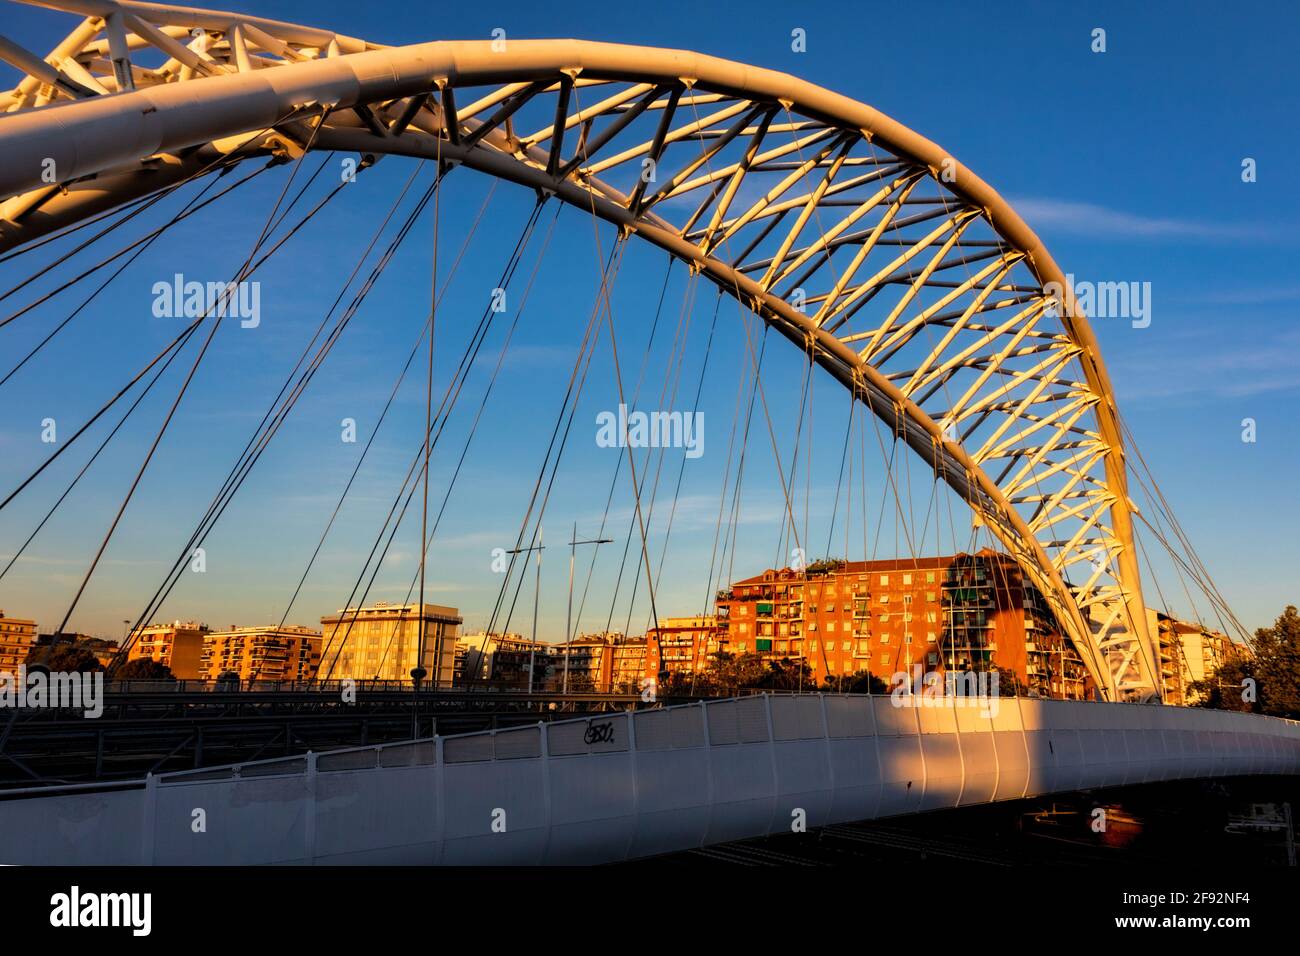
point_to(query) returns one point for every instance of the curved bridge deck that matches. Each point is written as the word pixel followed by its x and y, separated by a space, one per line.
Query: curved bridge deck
pixel 609 788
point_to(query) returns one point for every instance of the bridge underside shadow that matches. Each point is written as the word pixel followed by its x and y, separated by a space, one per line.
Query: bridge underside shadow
pixel 627 786
pixel 1211 822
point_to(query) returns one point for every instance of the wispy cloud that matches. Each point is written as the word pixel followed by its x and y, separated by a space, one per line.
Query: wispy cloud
pixel 1210 369
pixel 1088 219
pixel 1261 295
pixel 527 356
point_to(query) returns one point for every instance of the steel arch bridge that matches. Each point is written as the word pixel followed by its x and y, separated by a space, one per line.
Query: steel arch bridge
pixel 895 268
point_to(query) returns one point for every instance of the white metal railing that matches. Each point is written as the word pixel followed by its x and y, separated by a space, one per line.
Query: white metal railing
pixel 612 786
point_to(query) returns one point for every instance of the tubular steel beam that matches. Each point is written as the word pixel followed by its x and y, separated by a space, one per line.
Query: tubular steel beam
pixel 93 138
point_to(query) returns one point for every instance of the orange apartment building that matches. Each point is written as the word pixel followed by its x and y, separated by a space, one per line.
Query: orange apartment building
pixel 680 644
pixel 273 653
pixel 956 612
pixel 589 657
pixel 17 636
pixel 627 665
pixel 1196 652
pixel 178 645
pixel 590 661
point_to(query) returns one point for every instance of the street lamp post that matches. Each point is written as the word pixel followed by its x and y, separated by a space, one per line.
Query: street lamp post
pixel 537 590
pixel 568 620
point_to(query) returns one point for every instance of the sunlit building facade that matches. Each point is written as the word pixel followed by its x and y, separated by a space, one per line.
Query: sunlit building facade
pixel 627 664
pixel 17 636
pixel 269 653
pixel 681 644
pixel 178 646
pixel 382 642
pixel 963 612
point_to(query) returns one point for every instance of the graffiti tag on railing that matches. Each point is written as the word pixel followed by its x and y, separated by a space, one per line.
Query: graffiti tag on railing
pixel 599 733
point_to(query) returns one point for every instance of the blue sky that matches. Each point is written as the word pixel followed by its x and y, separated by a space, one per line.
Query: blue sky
pixel 1127 163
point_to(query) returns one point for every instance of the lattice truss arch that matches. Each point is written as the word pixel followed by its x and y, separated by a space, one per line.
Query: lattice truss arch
pixel 903 274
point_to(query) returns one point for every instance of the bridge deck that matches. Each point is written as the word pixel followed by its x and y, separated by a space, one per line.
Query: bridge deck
pixel 623 786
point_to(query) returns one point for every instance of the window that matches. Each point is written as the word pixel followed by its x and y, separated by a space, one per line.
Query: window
pixel 884 638
pixel 907 579
pixel 929 577
pixel 830 625
pixel 907 599
pixel 884 579
pixel 846 646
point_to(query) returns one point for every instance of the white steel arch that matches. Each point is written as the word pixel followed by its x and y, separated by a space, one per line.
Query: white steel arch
pixel 901 272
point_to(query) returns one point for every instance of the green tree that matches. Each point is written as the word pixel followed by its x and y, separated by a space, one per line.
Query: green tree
pixel 1275 670
pixel 785 674
pixel 1277 665
pixel 143 668
pixel 687 684
pixel 859 682
pixel 1222 690
pixel 729 673
pixel 825 566
pixel 65 658
pixel 1009 683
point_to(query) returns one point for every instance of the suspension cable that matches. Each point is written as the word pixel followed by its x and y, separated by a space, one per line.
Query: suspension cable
pixel 180 394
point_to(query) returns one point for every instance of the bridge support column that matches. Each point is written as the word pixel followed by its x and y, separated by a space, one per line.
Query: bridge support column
pixel 149 817
pixel 440 798
pixel 309 826
pixel 708 774
pixel 546 787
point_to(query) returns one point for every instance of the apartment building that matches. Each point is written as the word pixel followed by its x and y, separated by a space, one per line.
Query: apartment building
pixel 681 644
pixel 270 653
pixel 17 637
pixel 588 659
pixel 954 612
pixel 178 646
pixel 628 665
pixel 382 642
pixel 514 658
pixel 1198 653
